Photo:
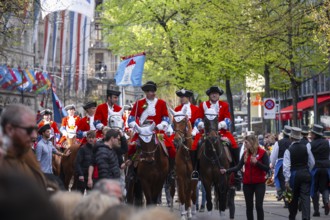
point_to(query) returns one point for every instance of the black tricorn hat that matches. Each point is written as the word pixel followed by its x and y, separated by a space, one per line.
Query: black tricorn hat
pixel 113 92
pixel 214 89
pixel 89 105
pixel 44 128
pixel 149 86
pixel 317 129
pixel 184 93
pixel 46 112
pixel 305 129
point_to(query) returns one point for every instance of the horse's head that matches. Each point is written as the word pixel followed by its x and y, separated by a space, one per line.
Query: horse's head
pixel 211 122
pixel 147 140
pixel 182 127
pixel 115 119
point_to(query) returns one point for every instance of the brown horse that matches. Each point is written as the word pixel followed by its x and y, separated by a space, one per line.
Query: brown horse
pixel 183 164
pixel 212 158
pixel 153 164
pixel 68 163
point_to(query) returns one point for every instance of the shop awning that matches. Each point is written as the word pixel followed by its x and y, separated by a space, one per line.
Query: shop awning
pixel 287 112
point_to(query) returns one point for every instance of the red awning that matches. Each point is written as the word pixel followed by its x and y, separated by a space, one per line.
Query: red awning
pixel 286 113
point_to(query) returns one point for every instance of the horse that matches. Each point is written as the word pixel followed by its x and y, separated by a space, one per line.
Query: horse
pixel 115 119
pixel 183 163
pixel 68 163
pixel 212 157
pixel 153 166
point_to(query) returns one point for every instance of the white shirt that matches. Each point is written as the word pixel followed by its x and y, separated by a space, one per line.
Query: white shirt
pixel 287 162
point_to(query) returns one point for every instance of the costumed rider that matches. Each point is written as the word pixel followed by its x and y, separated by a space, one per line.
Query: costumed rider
pixel 148 110
pixel 102 112
pixel 86 123
pixel 47 115
pixel 222 108
pixel 193 114
pixel 69 124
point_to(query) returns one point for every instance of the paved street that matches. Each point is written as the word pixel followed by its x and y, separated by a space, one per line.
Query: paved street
pixel 272 208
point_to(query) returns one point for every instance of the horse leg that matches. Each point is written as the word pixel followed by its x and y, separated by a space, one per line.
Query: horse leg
pixel 223 193
pixel 208 191
pixel 187 195
pixel 181 194
pixel 193 197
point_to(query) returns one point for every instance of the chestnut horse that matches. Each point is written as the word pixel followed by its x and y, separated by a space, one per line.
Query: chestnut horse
pixel 212 158
pixel 153 166
pixel 183 164
pixel 68 163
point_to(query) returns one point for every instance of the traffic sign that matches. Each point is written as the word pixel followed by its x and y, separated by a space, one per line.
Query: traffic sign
pixel 269 108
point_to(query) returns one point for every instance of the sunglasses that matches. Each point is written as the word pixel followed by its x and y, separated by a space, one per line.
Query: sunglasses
pixel 28 130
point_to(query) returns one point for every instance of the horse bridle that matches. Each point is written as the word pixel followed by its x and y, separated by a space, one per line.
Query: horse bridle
pixel 183 135
pixel 152 152
pixel 120 128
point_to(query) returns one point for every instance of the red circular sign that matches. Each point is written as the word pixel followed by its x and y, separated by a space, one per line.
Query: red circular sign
pixel 269 104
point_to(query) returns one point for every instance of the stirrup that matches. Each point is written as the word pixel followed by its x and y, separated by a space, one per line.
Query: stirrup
pixel 195 175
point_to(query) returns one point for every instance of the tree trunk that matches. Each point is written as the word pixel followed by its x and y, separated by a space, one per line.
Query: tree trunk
pixel 266 123
pixel 231 104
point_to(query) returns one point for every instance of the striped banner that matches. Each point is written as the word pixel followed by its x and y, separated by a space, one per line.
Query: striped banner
pixel 85 53
pixel 36 18
pixel 46 43
pixel 54 41
pixel 73 45
pixel 78 50
pixel 64 30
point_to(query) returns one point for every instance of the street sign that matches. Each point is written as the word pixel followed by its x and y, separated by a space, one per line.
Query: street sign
pixel 269 108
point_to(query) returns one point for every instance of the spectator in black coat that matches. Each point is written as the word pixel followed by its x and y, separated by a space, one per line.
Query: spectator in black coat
pixel 105 157
pixel 84 160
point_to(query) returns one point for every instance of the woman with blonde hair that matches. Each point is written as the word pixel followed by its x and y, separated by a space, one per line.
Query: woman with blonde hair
pixel 256 163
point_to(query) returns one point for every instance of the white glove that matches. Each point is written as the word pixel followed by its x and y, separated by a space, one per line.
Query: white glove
pixel 200 125
pixel 194 131
pixel 99 126
pixel 64 133
pixel 132 124
pixel 222 125
pixel 85 134
pixel 160 127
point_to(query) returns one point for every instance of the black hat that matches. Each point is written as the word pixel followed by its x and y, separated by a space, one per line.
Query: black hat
pixel 71 106
pixel 326 134
pixel 214 89
pixel 287 130
pixel 317 129
pixel 46 112
pixel 184 93
pixel 304 129
pixel 149 86
pixel 89 105
pixel 113 92
pixel 44 128
pixel 295 133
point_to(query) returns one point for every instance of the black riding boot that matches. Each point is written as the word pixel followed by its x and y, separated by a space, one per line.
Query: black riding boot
pixel 171 174
pixel 195 174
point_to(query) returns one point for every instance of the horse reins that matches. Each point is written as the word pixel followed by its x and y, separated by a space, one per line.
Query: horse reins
pixel 183 136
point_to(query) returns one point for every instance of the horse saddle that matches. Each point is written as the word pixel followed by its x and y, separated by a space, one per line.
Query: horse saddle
pixel 162 144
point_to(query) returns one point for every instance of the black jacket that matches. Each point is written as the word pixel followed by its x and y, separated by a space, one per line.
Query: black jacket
pixel 107 162
pixel 84 159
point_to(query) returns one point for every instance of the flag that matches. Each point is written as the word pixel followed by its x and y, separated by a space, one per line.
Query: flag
pixel 46 42
pixel 6 79
pixel 130 70
pixel 36 17
pixel 58 109
pixel 72 46
pixel 43 83
pixel 25 85
pixel 85 52
pixel 30 76
pixel 16 79
pixel 85 7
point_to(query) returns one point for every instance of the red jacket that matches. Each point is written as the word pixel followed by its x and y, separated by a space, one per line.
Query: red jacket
pixel 83 125
pixel 101 115
pixel 223 109
pixel 195 113
pixel 253 174
pixel 139 107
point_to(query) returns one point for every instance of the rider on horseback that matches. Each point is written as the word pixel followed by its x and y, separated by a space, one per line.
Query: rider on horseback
pixel 153 109
pixel 214 93
pixel 86 123
pixel 69 124
pixel 47 114
pixel 193 114
pixel 103 111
